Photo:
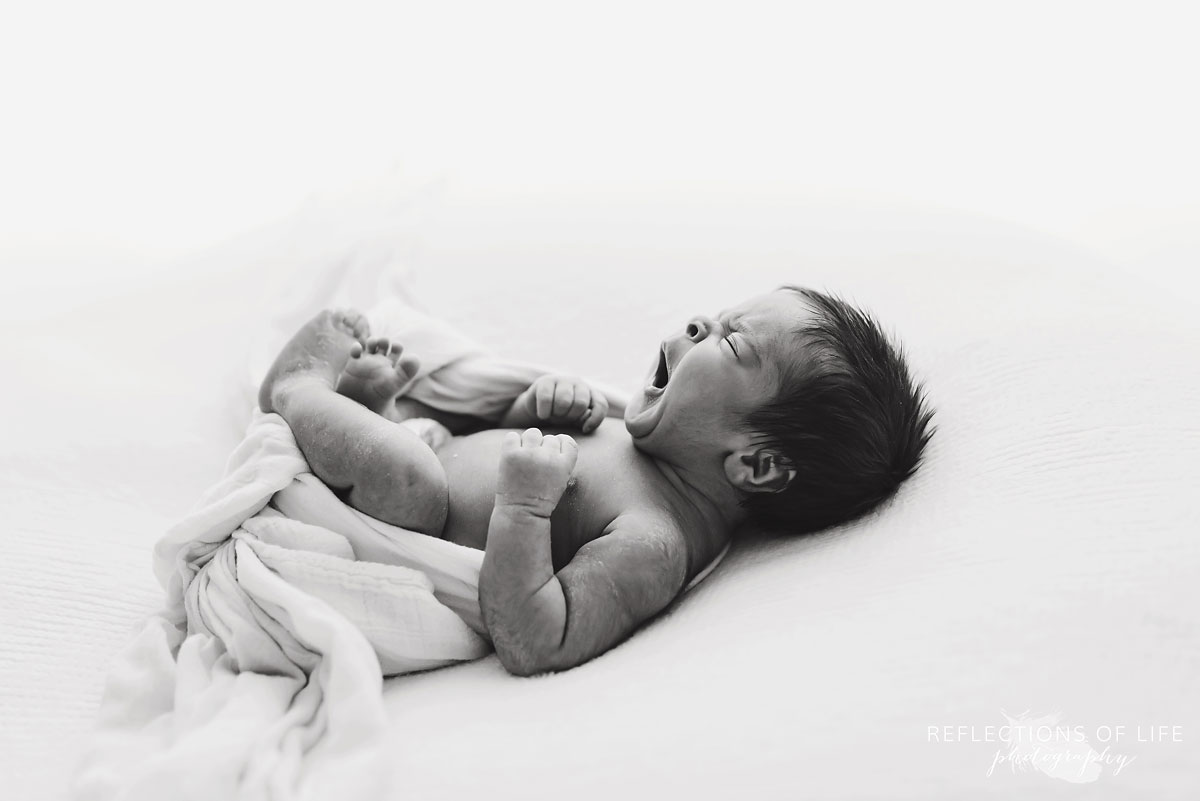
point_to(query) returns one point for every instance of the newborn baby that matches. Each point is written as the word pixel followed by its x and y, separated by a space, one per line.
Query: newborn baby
pixel 791 410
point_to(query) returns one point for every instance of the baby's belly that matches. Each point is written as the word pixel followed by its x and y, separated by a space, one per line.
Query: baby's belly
pixel 470 463
pixel 604 482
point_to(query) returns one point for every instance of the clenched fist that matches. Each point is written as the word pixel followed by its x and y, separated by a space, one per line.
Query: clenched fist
pixel 534 470
pixel 564 400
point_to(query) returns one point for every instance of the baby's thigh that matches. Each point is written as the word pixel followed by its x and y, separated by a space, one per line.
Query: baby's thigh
pixel 402 482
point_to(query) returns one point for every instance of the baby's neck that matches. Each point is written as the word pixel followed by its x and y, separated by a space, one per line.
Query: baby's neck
pixel 706 501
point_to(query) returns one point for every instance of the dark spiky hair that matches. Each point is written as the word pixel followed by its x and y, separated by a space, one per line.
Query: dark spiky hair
pixel 847 418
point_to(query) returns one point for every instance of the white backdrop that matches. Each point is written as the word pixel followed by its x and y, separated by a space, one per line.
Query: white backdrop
pixel 132 135
pixel 136 131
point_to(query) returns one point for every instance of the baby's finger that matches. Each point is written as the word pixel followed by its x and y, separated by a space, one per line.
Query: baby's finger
pixel 568 446
pixel 591 421
pixel 579 406
pixel 544 399
pixel 600 404
pixel 553 443
pixel 564 396
pixel 596 414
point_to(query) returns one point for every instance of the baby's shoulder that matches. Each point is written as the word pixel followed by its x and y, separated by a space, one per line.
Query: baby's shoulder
pixel 689 546
pixel 625 491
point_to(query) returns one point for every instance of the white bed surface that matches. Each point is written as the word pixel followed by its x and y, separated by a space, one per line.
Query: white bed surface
pixel 1044 559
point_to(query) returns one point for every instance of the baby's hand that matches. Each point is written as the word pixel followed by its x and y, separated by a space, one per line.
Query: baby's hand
pixel 564 400
pixel 534 470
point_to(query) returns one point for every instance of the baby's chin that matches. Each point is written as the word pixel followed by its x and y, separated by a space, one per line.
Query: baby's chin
pixel 633 432
pixel 666 445
pixel 628 420
pixel 643 413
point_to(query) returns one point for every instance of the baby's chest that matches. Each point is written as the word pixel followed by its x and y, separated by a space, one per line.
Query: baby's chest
pixel 608 480
pixel 606 483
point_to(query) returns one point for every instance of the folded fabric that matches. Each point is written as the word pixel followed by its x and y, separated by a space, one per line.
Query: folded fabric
pixel 262 676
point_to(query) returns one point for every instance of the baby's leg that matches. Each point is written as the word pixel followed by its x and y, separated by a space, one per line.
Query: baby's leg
pixel 387 471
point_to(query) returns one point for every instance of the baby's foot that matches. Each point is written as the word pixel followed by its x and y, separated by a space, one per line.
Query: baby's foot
pixel 318 352
pixel 376 375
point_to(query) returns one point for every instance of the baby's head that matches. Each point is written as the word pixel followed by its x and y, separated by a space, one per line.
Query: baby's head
pixel 797 398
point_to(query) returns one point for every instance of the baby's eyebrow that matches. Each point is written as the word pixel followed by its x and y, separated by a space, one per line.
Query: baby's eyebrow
pixel 738 320
pixel 748 332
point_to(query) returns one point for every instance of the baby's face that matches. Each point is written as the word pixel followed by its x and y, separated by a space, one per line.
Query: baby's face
pixel 706 377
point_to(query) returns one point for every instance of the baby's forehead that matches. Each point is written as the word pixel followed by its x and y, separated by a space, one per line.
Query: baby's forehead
pixel 775 314
pixel 777 321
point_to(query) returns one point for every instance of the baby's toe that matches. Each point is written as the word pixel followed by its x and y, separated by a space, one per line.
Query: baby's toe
pixel 407 367
pixel 353 322
pixel 378 345
pixel 356 350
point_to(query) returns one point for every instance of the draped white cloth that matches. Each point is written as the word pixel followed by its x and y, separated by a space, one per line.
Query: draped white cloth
pixel 261 678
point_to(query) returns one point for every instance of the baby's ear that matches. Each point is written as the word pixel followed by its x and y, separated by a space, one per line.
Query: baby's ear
pixel 758 470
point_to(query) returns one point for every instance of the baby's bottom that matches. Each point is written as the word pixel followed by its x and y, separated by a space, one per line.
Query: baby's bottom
pixel 385 470
pixel 430 431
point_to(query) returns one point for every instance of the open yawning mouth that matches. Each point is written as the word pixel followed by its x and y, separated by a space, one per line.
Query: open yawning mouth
pixel 662 374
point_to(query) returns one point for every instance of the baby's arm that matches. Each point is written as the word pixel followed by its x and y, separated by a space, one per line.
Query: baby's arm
pixel 379 374
pixel 542 621
pixel 557 400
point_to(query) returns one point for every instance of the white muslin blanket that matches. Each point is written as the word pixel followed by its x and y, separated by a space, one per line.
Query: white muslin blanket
pixel 262 676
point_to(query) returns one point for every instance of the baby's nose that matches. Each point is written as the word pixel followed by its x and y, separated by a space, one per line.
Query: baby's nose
pixel 698 328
